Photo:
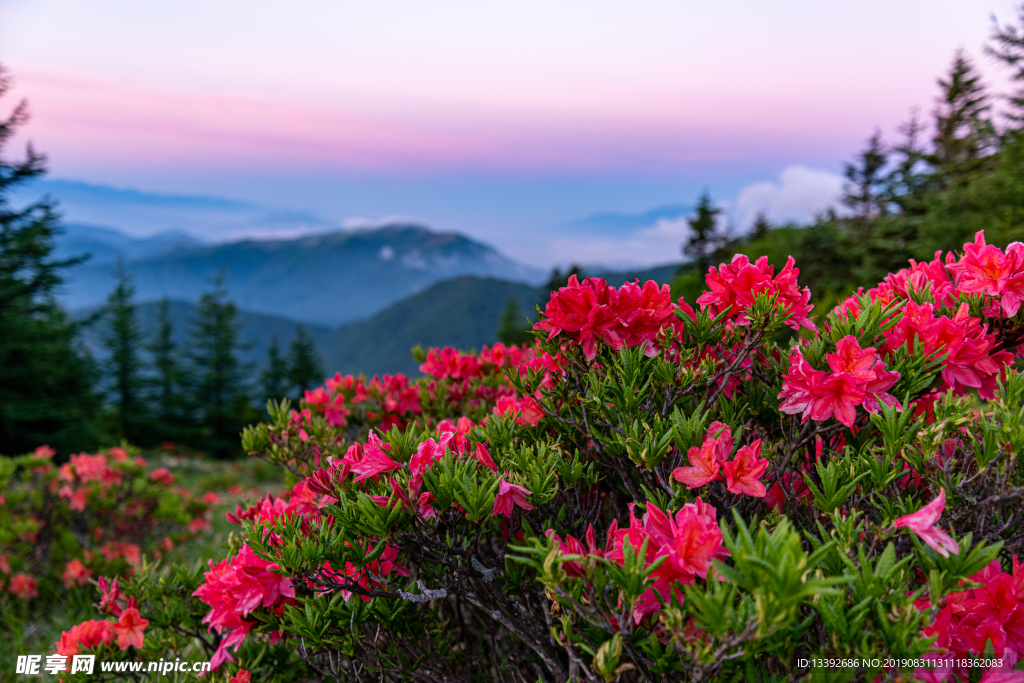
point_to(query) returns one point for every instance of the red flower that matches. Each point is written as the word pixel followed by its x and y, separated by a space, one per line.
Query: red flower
pixel 161 476
pixel 374 461
pixel 24 586
pixel 987 270
pixel 129 629
pixel 743 473
pixel 509 495
pixel 76 574
pixel 484 456
pixel 241 677
pixel 737 285
pixel 88 634
pixel 923 524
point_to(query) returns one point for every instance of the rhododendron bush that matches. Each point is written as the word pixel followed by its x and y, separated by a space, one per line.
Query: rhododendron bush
pixel 655 490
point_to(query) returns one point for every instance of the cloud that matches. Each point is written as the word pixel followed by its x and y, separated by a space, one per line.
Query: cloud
pixel 798 195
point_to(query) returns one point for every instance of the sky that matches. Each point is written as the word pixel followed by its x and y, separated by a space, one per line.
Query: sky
pixel 504 120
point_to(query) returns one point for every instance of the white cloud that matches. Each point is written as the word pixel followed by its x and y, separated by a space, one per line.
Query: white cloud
pixel 797 195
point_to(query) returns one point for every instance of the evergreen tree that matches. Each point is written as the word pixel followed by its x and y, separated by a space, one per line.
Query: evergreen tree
pixel 761 227
pixel 706 236
pixel 122 340
pixel 963 133
pixel 274 377
pixel 514 327
pixel 167 378
pixel 864 191
pixel 219 393
pixel 305 365
pixel 46 380
pixel 1007 46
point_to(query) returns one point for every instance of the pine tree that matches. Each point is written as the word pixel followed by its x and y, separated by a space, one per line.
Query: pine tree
pixel 274 376
pixel 864 191
pixel 122 340
pixel 305 365
pixel 706 237
pixel 1007 46
pixel 514 327
pixel 219 393
pixel 761 227
pixel 167 378
pixel 46 380
pixel 963 133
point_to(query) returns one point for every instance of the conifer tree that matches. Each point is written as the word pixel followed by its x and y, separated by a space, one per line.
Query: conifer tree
pixel 761 227
pixel 706 236
pixel 963 133
pixel 305 365
pixel 864 191
pixel 219 392
pixel 122 339
pixel 514 327
pixel 167 378
pixel 46 380
pixel 1007 47
pixel 274 376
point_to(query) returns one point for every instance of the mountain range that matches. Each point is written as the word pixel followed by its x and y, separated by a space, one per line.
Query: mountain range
pixel 326 279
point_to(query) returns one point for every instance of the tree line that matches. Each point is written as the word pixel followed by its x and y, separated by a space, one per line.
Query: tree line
pixel 146 388
pixel 198 393
pixel 950 174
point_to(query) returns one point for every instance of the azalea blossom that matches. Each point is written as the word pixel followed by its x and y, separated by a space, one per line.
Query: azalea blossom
pixel 129 629
pixel 743 473
pixel 736 285
pixel 374 461
pixel 87 635
pixel 923 523
pixel 509 495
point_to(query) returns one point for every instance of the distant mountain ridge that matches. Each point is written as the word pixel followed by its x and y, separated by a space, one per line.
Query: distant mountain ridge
pixel 326 279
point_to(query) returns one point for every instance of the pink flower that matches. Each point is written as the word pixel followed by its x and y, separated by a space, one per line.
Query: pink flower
pixel 161 476
pixel 987 270
pixel 800 386
pixel 109 596
pixel 509 495
pixel 704 468
pixel 484 456
pixel 88 634
pixel 24 586
pixel 374 461
pixel 76 574
pixel 743 473
pixel 429 452
pixel 838 395
pixel 923 524
pixel 129 629
pixel 739 283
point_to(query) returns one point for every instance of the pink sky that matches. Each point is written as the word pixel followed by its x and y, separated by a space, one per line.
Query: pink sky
pixel 203 97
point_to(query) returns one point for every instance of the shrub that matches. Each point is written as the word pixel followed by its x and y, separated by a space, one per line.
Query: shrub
pixel 654 492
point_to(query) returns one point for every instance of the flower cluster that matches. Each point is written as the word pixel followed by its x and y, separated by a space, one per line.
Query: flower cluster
pixel 710 461
pixel 234 588
pixel 737 285
pixel 103 512
pixel 858 378
pixel 688 540
pixel 944 326
pixel 383 402
pixel 592 311
pixel 970 619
